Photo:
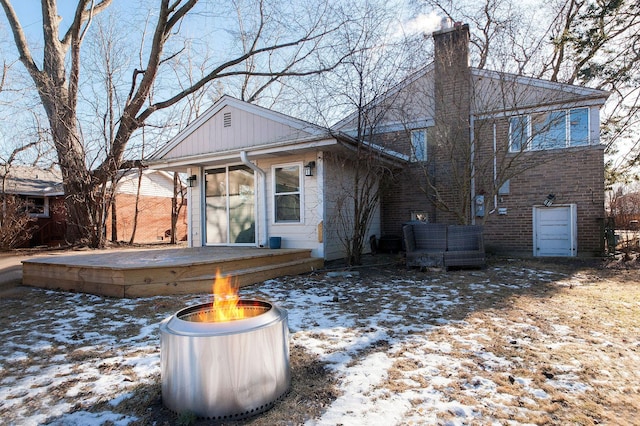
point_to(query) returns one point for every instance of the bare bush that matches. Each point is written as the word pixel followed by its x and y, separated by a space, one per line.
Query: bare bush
pixel 15 222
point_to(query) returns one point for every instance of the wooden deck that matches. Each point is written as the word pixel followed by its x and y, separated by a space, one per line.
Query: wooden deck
pixel 151 272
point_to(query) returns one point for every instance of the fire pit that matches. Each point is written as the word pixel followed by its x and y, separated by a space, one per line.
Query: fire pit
pixel 221 366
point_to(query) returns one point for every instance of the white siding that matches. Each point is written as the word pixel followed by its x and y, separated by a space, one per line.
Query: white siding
pixel 246 130
pixel 194 217
pixel 304 234
pixel 153 184
pixel 294 235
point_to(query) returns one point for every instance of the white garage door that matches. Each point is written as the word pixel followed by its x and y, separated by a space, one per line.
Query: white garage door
pixel 555 231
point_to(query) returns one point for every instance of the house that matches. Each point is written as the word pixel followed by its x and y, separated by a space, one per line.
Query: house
pixel 151 193
pixel 42 191
pixel 255 174
pixel 519 155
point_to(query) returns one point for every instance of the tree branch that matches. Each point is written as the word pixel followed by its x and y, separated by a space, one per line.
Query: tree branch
pixel 20 39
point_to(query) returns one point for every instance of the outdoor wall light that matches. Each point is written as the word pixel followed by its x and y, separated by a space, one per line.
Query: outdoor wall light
pixel 191 181
pixel 549 200
pixel 308 169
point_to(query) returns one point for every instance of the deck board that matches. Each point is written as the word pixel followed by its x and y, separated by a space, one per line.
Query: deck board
pixel 134 273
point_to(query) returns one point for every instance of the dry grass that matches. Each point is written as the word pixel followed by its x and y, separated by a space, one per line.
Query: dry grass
pixel 551 343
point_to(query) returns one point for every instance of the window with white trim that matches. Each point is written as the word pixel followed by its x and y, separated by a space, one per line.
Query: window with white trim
pixel 549 130
pixel 287 193
pixel 419 145
pixel 38 206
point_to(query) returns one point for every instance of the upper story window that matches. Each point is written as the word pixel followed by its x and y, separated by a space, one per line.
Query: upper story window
pixel 287 193
pixel 549 130
pixel 419 145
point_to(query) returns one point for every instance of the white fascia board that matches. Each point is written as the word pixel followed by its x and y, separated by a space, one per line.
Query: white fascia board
pixel 543 107
pixel 396 127
pixel 234 155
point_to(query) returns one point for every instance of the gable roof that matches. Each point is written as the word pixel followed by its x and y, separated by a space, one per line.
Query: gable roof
pixel 493 92
pixel 384 101
pixel 154 183
pixel 34 181
pixel 216 131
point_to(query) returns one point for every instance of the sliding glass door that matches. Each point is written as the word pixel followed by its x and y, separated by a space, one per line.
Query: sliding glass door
pixel 230 205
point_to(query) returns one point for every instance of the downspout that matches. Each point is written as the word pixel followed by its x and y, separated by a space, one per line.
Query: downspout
pixel 473 168
pixel 263 196
pixel 190 214
pixel 495 169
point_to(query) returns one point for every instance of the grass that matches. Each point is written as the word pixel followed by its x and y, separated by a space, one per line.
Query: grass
pixel 544 342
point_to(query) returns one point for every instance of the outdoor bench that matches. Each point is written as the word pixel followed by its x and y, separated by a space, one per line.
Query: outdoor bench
pixel 439 245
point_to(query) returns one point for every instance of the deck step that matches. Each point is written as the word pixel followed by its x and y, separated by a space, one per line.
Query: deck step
pixel 240 278
pixel 248 276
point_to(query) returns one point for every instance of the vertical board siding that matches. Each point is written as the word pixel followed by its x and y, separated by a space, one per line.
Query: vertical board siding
pixel 338 180
pixel 246 130
pixel 195 206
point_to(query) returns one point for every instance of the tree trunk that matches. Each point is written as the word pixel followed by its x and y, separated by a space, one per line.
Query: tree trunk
pixel 175 211
pixel 114 220
pixel 137 208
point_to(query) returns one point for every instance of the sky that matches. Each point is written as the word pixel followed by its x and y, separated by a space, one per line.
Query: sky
pixel 218 41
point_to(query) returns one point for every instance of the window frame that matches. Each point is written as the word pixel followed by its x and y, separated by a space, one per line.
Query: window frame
pixel 539 141
pixel 299 193
pixel 31 207
pixel 413 157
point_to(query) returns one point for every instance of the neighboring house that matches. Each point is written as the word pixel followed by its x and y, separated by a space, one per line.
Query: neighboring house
pixel 44 196
pixel 155 190
pixel 624 210
pixel 518 140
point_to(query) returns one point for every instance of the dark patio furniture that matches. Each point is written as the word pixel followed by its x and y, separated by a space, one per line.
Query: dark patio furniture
pixel 425 244
pixel 437 245
pixel 465 246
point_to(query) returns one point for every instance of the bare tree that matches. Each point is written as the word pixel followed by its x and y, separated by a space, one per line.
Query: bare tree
pixel 14 216
pixel 592 43
pixel 58 76
pixel 177 203
pixel 367 79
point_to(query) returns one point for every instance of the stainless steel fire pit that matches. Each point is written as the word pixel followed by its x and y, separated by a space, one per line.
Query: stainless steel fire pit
pixel 225 370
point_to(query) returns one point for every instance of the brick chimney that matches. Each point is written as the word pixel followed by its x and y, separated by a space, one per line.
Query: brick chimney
pixel 452 104
pixel 452 79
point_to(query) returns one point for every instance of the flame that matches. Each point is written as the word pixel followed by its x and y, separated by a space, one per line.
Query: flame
pixel 225 302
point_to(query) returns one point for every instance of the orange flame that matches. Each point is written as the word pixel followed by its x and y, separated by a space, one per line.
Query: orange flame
pixel 225 302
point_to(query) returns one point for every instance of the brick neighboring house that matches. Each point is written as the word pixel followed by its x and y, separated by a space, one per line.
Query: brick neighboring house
pixel 154 208
pixel 520 155
pixel 42 191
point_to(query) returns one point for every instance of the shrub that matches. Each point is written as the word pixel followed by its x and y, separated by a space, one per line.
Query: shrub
pixel 15 222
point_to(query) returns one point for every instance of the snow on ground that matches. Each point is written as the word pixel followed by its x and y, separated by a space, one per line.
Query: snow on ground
pixel 404 350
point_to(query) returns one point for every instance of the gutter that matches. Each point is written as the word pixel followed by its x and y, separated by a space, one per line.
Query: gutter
pixel 263 176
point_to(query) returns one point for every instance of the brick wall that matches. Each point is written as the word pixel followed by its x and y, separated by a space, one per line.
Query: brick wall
pixel 573 175
pixel 154 219
pixel 407 195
